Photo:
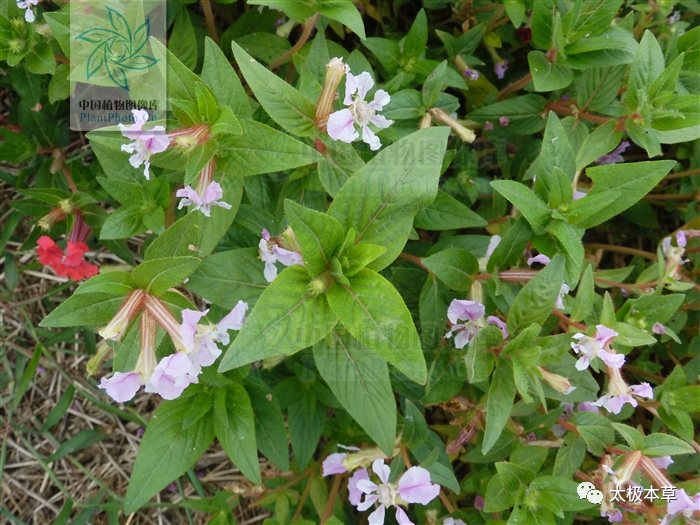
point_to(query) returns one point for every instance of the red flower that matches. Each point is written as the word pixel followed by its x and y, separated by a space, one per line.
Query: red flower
pixel 73 265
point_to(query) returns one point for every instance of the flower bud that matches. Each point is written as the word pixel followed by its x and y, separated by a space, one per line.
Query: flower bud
pixel 147 361
pixel 289 241
pixel 440 116
pixel 56 214
pixel 557 382
pixel 166 320
pixel 120 322
pixel 16 45
pixel 316 287
pixel 365 458
pixel 336 68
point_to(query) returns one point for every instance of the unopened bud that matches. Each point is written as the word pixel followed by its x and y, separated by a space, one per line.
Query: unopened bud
pixel 120 322
pixel 630 465
pixel 336 68
pixel 365 458
pixel 16 45
pixel 440 116
pixel 557 382
pixel 289 241
pixel 56 214
pixel 166 320
pixel 316 287
pixel 425 122
pixel 147 361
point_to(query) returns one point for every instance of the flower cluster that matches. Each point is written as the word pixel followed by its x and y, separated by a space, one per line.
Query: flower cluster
pixel 195 344
pixel 414 486
pixel 472 313
pixel 69 264
pixel 271 252
pixel 145 142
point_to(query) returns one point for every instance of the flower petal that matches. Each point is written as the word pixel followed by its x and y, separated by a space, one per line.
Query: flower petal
pixel 188 328
pixel 415 486
pixel 402 518
pixel 121 386
pixel 465 310
pixel 364 84
pixel 381 470
pixel 381 99
pixel 370 138
pixel 341 126
pixel 377 517
pixel 333 464
pixel 235 318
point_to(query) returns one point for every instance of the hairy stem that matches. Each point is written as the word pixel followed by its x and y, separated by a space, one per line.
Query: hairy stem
pixel 209 17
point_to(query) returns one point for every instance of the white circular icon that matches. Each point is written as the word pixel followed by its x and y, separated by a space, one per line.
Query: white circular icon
pixel 584 488
pixel 595 497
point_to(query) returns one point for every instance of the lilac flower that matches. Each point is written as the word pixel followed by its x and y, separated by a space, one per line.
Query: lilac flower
pixel 172 375
pixel 145 143
pixel 620 393
pixel 579 195
pixel 683 504
pixel 333 464
pixel 585 406
pixel 500 69
pixel 27 5
pixel 503 121
pixel 122 386
pixel 658 328
pixel 615 156
pixel 341 124
pixel 271 252
pixel 413 487
pixel 473 313
pixel 643 390
pixel 212 197
pixel 488 125
pixel 613 516
pixel 355 493
pixel 200 340
pixel 674 17
pixel 471 74
pixel 541 258
pixel 565 97
pixel 663 462
pixel 681 238
pixel 591 347
pixel 479 502
pixel 563 290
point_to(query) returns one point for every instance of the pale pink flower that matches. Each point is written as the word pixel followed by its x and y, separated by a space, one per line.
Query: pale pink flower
pixel 579 195
pixel 27 6
pixel 563 290
pixel 663 462
pixel 341 124
pixel 503 121
pixel 500 69
pixel 494 241
pixel 413 487
pixel 212 197
pixel 681 238
pixel 613 516
pixel 683 504
pixel 658 328
pixel 333 464
pixel 271 252
pixel 145 143
pixel 488 125
pixel 473 313
pixel 122 386
pixel 541 258
pixel 615 156
pixel 172 375
pixel 590 347
pixel 479 502
pixel 471 74
pixel 643 390
pixel 619 393
pixel 355 493
pixel 201 340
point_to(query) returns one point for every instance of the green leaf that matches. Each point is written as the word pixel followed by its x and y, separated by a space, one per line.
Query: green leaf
pixel 197 159
pixel 498 498
pixel 648 66
pixel 167 451
pixel 416 39
pixel 510 249
pixel 556 153
pixel 182 42
pixel 181 81
pixel 537 213
pixel 227 277
pixel 270 430
pixel 306 418
pixel 564 490
pixel 287 106
pixel 115 283
pixel 524 112
pixel 319 235
pixel 633 437
pixel 261 149
pixel 589 206
pixel 480 358
pixel 447 213
pixel 374 312
pixel 177 240
pixel 515 9
pixel 360 381
pixel 659 445
pixel 222 79
pixel 360 256
pixel 433 85
pixel 432 308
pixel 40 60
pixel 543 23
pixel 570 456
pixel 499 404
pixel 158 275
pixel 415 430
pixel 234 426
pixel 380 201
pixel 84 309
pixel 589 18
pixel 583 302
pixel 285 319
pixel 595 429
pixel 632 181
pixel 602 141
pixel 344 12
pixel 124 222
pixel 568 240
pixel 546 75
pixel 454 267
pixel 340 162
pixel 534 302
